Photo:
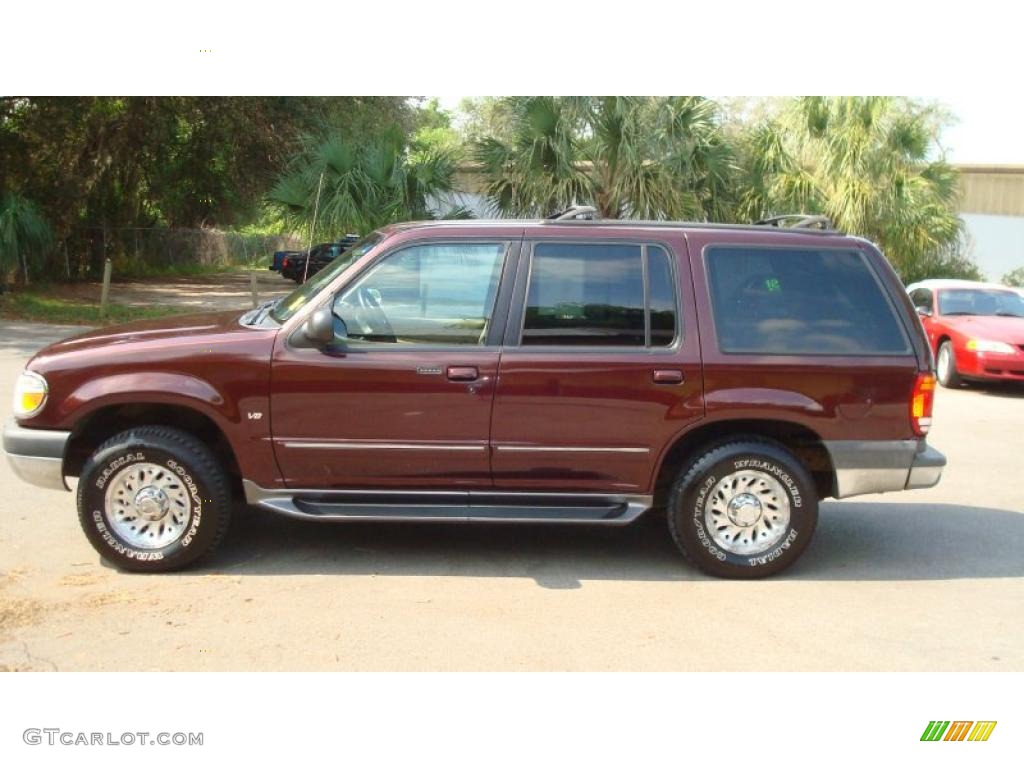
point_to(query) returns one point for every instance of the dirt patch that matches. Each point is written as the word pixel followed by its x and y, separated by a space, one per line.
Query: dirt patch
pixel 20 612
pixel 207 293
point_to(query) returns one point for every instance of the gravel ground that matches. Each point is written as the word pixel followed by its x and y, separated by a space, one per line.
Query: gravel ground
pixel 922 580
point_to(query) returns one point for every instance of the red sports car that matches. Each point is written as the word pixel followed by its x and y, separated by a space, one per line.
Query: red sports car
pixel 976 329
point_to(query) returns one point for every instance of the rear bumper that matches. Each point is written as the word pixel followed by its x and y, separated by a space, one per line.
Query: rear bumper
pixel 926 470
pixel 36 455
pixel 878 466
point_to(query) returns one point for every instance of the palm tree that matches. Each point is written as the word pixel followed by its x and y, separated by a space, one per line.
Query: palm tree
pixel 365 184
pixel 868 163
pixel 630 157
pixel 24 235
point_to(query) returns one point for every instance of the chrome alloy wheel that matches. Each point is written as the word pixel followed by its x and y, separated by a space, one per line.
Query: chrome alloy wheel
pixel 747 512
pixel 147 506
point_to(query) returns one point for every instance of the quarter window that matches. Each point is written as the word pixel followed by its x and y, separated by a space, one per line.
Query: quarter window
pixel 662 297
pixel 593 295
pixel 791 301
pixel 425 294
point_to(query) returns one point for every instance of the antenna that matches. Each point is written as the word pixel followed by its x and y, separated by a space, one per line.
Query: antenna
pixel 312 227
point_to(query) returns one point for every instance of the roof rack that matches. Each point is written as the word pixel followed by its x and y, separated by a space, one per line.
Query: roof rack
pixel 575 213
pixel 802 221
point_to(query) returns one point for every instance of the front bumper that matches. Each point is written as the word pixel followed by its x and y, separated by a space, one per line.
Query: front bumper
pixel 990 366
pixel 878 466
pixel 36 455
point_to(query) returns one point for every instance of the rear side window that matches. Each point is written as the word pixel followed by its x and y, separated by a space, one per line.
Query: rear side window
pixel 796 301
pixel 594 295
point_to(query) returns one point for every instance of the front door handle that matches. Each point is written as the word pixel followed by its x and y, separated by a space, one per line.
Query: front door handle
pixel 668 376
pixel 462 373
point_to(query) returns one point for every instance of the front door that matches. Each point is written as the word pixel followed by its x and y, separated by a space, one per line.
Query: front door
pixel 601 367
pixel 404 399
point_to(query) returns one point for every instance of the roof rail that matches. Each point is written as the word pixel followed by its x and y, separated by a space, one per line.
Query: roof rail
pixel 802 221
pixel 575 213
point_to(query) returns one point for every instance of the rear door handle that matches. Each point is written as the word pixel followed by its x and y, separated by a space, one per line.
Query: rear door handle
pixel 668 376
pixel 462 373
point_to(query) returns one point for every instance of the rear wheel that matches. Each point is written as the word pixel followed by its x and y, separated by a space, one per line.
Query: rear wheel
pixel 945 367
pixel 744 509
pixel 153 499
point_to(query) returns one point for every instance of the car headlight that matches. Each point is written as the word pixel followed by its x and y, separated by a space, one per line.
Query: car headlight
pixel 29 394
pixel 999 347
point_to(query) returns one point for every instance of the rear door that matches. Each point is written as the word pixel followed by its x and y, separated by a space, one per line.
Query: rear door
pixel 601 363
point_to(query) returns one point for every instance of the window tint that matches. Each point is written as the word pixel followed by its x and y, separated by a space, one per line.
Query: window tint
pixel 800 301
pixel 590 295
pixel 427 294
pixel 662 297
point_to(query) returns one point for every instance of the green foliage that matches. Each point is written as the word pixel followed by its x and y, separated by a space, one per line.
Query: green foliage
pixel 871 165
pixel 433 130
pixel 99 165
pixel 102 171
pixel 24 236
pixel 630 157
pixel 34 306
pixel 1014 278
pixel 366 184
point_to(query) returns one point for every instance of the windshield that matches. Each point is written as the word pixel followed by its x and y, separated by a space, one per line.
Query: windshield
pixel 298 298
pixel 980 301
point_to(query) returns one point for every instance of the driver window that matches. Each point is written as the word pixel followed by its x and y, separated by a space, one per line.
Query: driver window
pixel 425 294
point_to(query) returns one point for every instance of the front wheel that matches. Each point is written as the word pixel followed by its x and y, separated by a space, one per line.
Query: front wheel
pixel 153 499
pixel 745 509
pixel 945 367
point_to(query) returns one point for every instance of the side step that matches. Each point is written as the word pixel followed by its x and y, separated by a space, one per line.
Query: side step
pixel 449 506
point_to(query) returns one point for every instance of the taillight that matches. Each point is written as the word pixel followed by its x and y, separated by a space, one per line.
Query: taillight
pixel 286 262
pixel 921 401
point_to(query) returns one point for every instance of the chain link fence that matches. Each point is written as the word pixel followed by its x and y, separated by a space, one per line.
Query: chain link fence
pixel 151 250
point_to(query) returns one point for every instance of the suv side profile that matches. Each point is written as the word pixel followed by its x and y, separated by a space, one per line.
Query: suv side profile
pixel 557 371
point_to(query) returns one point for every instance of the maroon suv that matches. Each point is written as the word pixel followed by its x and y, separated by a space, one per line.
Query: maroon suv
pixel 558 371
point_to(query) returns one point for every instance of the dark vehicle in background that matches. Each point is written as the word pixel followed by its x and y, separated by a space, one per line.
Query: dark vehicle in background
pixel 564 371
pixel 292 264
pixel 976 330
pixel 277 263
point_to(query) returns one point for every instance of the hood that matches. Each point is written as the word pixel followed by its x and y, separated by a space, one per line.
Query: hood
pixel 988 327
pixel 150 339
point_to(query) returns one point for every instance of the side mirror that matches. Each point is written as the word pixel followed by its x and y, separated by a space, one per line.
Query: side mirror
pixel 923 311
pixel 319 328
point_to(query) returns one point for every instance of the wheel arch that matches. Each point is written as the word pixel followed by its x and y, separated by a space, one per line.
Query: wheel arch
pixel 804 443
pixel 106 421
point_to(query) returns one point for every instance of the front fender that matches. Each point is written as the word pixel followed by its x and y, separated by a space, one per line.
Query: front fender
pixel 148 387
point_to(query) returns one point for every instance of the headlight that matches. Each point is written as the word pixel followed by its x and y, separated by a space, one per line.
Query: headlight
pixel 999 347
pixel 29 394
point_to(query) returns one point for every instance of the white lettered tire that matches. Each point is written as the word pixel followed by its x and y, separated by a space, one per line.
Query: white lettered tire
pixel 743 509
pixel 153 499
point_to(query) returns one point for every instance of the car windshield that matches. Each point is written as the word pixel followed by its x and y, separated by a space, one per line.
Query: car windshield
pixel 980 301
pixel 298 298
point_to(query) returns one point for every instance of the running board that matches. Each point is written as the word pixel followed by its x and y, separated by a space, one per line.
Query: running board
pixel 449 506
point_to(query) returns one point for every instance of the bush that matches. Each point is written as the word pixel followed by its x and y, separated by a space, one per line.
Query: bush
pixel 1014 278
pixel 24 236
